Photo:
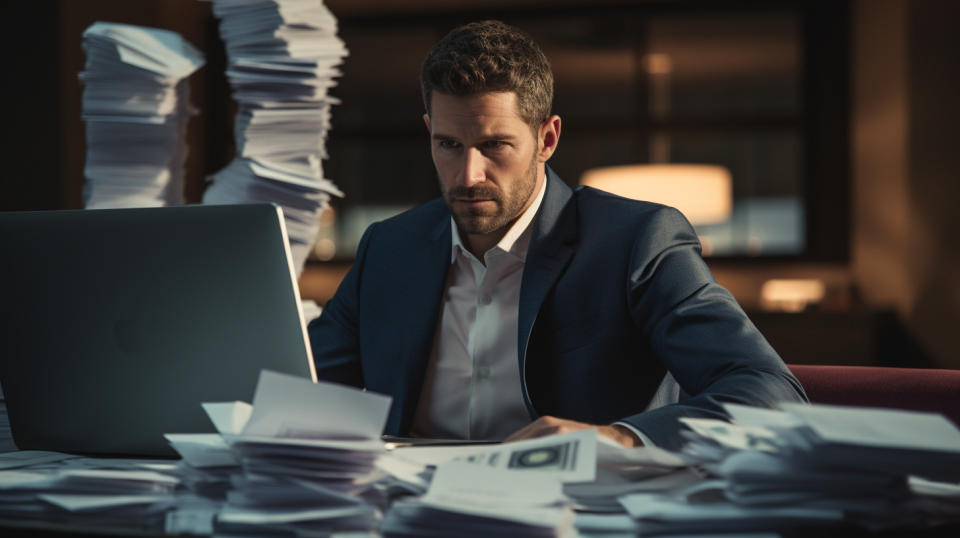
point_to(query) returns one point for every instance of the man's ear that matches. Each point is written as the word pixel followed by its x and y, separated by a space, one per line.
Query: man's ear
pixel 548 136
pixel 426 121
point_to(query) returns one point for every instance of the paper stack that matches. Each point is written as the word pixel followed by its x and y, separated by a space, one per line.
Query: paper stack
pixel 89 498
pixel 806 465
pixel 136 107
pixel 857 459
pixel 302 457
pixel 466 499
pixel 282 58
pixel 490 490
pixel 621 471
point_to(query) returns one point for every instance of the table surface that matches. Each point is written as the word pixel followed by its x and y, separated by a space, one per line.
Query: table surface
pixel 10 528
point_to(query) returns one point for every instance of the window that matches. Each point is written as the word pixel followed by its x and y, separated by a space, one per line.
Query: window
pixel 759 89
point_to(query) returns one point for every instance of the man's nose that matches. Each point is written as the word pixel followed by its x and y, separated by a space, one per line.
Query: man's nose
pixel 474 167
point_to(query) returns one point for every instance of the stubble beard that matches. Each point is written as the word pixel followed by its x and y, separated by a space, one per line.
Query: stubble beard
pixel 476 221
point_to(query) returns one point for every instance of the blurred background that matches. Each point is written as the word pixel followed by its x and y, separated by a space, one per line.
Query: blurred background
pixel 833 121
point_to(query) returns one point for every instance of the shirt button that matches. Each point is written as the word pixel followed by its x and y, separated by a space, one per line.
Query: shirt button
pixel 482 372
pixel 485 299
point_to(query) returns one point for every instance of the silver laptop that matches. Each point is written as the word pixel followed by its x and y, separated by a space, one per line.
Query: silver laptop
pixel 118 323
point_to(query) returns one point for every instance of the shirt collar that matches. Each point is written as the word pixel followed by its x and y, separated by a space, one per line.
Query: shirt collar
pixel 517 238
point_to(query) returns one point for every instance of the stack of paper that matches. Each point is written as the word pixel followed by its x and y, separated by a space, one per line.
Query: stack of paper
pixel 136 107
pixel 812 463
pixel 282 61
pixel 127 499
pixel 302 457
pixel 622 470
pixel 466 499
pixel 857 459
pixel 703 508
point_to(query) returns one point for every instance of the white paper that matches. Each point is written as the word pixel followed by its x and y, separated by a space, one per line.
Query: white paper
pixel 570 456
pixel 523 497
pixel 889 428
pixel 360 445
pixel 107 475
pixel 202 449
pixel 660 508
pixel 460 482
pixel 606 523
pixel 26 458
pixel 191 516
pixel 154 49
pixel 228 417
pixel 746 415
pixel 612 454
pixel 734 436
pixel 24 479
pixel 922 486
pixel 403 470
pixel 233 514
pixel 294 407
pixel 77 503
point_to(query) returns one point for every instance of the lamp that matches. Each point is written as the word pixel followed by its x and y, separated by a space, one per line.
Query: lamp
pixel 703 193
pixel 791 294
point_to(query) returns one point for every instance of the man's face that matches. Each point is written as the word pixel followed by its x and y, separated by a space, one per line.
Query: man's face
pixel 487 161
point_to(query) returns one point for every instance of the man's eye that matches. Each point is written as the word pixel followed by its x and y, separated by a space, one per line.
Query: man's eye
pixel 448 144
pixel 494 144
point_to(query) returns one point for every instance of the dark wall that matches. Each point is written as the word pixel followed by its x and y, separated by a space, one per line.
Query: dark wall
pixel 32 171
pixel 934 173
pixel 44 136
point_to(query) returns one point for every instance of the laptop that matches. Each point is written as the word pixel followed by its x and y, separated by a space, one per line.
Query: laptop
pixel 118 323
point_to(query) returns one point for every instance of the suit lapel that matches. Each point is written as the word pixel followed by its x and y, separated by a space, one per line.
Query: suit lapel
pixel 551 247
pixel 423 291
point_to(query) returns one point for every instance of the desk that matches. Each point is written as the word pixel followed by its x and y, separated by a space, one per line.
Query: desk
pixel 50 529
pixel 8 530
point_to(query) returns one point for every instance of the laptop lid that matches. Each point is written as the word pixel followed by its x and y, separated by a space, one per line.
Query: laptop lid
pixel 118 323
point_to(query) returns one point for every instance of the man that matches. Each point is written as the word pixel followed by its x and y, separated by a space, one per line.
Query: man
pixel 515 307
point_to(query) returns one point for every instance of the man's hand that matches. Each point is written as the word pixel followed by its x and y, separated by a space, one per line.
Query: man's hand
pixel 548 425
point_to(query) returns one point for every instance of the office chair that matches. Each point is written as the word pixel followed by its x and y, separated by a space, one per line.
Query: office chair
pixel 933 390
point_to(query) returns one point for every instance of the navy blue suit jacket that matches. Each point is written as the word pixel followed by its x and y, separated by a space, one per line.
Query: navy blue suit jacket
pixel 614 293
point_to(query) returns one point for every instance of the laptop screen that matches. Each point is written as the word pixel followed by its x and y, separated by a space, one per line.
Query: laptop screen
pixel 118 323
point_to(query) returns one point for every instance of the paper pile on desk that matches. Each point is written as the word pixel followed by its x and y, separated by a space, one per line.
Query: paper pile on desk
pixel 136 105
pixel 570 457
pixel 283 57
pixel 621 471
pixel 87 494
pixel 812 464
pixel 466 499
pixel 857 459
pixel 303 457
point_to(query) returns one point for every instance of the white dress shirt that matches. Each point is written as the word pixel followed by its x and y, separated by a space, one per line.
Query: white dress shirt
pixel 472 386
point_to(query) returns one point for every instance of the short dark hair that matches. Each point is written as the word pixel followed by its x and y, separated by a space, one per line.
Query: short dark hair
pixel 490 56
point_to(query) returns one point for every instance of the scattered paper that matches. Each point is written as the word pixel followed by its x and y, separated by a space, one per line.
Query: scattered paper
pixel 570 456
pixel 202 449
pixel 228 418
pixel 27 458
pixel 286 406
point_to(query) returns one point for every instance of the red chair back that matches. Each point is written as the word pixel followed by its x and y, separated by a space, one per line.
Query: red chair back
pixel 915 389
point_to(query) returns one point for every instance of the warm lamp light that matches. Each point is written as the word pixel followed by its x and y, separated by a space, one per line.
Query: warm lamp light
pixel 791 294
pixel 703 193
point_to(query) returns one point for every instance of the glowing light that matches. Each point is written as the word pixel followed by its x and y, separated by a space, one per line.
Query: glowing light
pixel 703 193
pixel 791 294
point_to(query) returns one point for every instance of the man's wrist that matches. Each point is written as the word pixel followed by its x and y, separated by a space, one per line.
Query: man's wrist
pixel 644 438
pixel 626 436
